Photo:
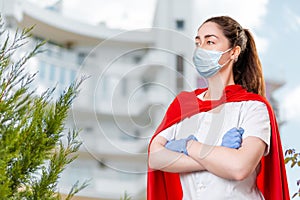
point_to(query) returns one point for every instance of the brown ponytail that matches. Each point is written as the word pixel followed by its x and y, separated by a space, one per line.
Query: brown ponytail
pixel 247 71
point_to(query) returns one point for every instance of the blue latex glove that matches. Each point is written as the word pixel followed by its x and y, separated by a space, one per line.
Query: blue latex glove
pixel 179 145
pixel 233 138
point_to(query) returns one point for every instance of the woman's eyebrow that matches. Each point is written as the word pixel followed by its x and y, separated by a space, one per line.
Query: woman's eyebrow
pixel 211 35
pixel 206 36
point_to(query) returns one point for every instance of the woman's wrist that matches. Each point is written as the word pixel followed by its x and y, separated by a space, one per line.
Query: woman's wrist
pixel 194 149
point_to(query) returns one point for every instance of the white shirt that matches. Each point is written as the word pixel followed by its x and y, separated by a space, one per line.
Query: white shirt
pixel 209 128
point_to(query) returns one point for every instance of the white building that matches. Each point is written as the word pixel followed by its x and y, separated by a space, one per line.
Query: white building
pixel 133 76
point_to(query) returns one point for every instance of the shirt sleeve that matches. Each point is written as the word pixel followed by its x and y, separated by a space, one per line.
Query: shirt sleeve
pixel 169 133
pixel 256 122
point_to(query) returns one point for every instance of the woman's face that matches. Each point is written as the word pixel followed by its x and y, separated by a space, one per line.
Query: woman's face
pixel 211 37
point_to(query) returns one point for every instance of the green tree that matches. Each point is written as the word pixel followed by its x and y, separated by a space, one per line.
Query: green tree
pixel 291 156
pixel 32 152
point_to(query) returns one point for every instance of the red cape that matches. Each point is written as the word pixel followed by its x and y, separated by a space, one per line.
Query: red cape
pixel 271 181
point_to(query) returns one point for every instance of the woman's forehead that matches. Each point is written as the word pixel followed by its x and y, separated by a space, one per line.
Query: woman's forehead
pixel 209 28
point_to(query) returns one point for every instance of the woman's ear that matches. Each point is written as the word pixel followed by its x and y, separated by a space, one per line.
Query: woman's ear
pixel 235 53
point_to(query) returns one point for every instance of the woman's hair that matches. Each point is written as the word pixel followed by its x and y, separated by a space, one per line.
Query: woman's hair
pixel 247 70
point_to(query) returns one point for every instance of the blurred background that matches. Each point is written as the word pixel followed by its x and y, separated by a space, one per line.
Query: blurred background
pixel 137 54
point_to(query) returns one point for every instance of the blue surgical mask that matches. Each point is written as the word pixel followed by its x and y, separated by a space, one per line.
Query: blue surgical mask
pixel 207 61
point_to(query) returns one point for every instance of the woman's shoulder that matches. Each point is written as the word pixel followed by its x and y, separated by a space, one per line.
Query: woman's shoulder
pixel 254 106
pixel 248 105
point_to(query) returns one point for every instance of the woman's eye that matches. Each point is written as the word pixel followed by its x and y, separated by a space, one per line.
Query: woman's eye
pixel 197 44
pixel 210 42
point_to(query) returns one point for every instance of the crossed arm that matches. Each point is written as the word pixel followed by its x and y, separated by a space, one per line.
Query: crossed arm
pixel 235 164
pixel 163 159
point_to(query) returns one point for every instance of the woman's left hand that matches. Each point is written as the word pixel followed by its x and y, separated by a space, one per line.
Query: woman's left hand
pixel 233 138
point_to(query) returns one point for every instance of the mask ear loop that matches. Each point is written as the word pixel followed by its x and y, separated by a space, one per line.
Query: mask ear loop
pixel 227 50
pixel 228 59
pixel 225 63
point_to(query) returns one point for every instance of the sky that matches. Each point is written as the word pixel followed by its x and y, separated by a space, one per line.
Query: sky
pixel 275 25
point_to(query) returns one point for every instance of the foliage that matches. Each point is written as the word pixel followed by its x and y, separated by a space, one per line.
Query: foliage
pixel 32 152
pixel 125 197
pixel 291 156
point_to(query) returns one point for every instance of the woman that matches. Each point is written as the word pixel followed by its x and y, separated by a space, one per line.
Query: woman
pixel 221 142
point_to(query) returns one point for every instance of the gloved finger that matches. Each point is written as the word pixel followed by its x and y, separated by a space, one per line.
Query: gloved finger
pixel 172 147
pixel 234 129
pixel 237 145
pixel 241 130
pixel 185 152
pixel 238 139
pixel 168 144
pixel 191 137
pixel 231 145
pixel 233 138
pixel 234 141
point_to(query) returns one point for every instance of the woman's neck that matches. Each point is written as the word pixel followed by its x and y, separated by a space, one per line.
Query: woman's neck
pixel 217 84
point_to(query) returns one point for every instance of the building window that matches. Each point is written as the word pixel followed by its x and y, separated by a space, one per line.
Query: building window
pixel 52 73
pixel 42 70
pixel 180 71
pixel 80 57
pixel 62 75
pixel 179 64
pixel 180 24
pixel 137 59
pixel 72 75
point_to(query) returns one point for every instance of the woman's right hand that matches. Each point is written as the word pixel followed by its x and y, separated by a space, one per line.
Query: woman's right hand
pixel 180 145
pixel 233 138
